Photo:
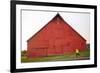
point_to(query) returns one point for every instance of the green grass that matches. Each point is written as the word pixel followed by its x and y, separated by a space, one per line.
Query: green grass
pixel 83 56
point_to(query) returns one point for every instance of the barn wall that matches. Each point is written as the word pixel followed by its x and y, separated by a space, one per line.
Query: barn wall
pixel 55 39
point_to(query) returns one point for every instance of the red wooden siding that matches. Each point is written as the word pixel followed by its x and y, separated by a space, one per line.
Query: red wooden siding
pixel 56 38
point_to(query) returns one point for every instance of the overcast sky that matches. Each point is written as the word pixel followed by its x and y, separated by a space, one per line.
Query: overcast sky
pixel 33 21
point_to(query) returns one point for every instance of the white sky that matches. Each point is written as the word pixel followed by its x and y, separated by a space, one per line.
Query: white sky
pixel 33 21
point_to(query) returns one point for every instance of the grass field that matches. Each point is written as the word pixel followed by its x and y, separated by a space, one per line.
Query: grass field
pixel 83 56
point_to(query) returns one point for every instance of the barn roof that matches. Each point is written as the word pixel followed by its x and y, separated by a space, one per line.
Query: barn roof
pixel 56 16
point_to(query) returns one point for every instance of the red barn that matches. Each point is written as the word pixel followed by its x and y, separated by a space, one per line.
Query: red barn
pixel 55 38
